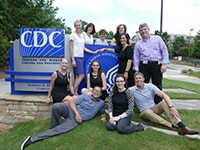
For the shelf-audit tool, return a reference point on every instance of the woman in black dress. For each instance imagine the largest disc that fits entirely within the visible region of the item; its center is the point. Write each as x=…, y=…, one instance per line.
x=61, y=85
x=96, y=77
x=125, y=57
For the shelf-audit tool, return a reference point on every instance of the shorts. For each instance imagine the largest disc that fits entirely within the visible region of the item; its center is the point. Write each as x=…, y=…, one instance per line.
x=79, y=65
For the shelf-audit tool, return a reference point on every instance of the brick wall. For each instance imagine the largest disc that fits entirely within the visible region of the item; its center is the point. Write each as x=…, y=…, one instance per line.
x=21, y=108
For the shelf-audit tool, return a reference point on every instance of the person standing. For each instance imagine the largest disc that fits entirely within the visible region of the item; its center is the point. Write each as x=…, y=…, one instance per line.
x=144, y=98
x=120, y=108
x=88, y=37
x=121, y=28
x=74, y=112
x=61, y=84
x=125, y=57
x=88, y=33
x=76, y=46
x=102, y=36
x=151, y=57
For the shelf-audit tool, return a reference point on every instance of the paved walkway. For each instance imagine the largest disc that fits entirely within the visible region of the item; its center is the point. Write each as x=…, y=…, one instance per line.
x=174, y=72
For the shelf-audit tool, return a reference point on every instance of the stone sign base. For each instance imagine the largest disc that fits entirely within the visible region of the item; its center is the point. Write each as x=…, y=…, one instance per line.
x=21, y=108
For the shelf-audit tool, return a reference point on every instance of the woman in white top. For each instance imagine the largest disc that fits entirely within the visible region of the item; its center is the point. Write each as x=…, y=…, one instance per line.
x=77, y=45
x=88, y=36
x=102, y=36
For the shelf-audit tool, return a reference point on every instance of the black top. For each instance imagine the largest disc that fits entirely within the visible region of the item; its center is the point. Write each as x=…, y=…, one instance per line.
x=117, y=37
x=123, y=57
x=120, y=103
x=60, y=89
x=95, y=81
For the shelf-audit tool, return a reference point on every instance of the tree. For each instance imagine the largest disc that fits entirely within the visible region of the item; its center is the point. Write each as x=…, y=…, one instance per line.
x=196, y=46
x=4, y=45
x=25, y=14
x=178, y=43
x=164, y=36
x=110, y=35
x=183, y=51
x=84, y=24
x=28, y=14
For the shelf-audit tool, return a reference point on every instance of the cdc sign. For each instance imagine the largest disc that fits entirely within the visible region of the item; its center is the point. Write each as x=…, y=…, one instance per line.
x=36, y=42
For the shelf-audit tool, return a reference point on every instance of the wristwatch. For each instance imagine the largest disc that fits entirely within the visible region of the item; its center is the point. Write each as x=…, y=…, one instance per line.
x=170, y=106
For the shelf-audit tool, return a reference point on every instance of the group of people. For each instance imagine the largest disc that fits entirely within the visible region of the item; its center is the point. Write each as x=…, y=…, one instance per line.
x=77, y=46
x=136, y=68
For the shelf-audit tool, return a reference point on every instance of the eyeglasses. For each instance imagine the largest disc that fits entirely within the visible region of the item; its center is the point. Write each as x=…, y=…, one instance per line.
x=96, y=91
x=119, y=81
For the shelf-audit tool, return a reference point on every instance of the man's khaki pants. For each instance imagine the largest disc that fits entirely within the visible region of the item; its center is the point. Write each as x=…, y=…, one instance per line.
x=154, y=113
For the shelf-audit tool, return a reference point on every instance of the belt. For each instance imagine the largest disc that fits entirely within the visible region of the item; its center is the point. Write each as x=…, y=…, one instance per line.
x=149, y=62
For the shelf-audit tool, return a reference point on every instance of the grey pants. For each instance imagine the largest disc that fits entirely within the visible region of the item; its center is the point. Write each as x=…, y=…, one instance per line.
x=58, y=110
x=124, y=126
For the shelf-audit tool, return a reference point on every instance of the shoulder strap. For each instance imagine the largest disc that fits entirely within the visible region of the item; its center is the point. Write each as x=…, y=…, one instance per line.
x=68, y=76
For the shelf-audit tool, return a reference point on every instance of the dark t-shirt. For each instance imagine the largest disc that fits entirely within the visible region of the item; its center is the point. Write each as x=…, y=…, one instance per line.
x=123, y=57
x=120, y=103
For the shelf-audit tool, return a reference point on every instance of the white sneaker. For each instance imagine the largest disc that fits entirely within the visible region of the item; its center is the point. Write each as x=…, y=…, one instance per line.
x=26, y=143
x=146, y=127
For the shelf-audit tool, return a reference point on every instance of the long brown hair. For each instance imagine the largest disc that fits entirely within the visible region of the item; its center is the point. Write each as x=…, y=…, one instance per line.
x=100, y=70
x=115, y=88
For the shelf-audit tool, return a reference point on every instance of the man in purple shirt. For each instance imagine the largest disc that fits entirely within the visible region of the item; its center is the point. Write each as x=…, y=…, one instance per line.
x=83, y=108
x=150, y=57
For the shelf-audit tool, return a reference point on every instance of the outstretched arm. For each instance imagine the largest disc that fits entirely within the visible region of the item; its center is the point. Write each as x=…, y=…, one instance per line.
x=72, y=104
x=172, y=109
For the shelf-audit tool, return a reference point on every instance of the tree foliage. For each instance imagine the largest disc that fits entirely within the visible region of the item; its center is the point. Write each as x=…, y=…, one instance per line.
x=4, y=44
x=15, y=14
x=28, y=14
x=164, y=36
x=196, y=46
x=178, y=43
x=183, y=51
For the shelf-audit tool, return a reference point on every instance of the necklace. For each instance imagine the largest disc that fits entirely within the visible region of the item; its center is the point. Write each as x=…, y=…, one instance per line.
x=62, y=73
x=94, y=75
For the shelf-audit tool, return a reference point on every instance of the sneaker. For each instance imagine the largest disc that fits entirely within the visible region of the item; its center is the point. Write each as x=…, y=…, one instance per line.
x=26, y=143
x=146, y=127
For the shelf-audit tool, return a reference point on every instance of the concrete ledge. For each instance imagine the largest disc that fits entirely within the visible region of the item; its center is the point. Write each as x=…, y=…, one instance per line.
x=21, y=108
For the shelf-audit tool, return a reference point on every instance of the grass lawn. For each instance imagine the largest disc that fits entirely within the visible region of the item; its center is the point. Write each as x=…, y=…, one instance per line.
x=172, y=84
x=92, y=135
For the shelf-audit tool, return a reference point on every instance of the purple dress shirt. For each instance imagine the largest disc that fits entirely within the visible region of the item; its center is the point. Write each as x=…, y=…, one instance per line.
x=152, y=49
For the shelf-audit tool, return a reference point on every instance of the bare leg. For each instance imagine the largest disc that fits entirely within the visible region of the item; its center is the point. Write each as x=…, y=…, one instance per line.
x=67, y=99
x=78, y=79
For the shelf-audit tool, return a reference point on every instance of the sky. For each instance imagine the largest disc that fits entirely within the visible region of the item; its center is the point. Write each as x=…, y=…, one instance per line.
x=179, y=16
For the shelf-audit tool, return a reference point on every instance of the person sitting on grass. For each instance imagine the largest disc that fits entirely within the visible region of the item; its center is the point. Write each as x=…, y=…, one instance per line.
x=120, y=108
x=144, y=98
x=83, y=108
